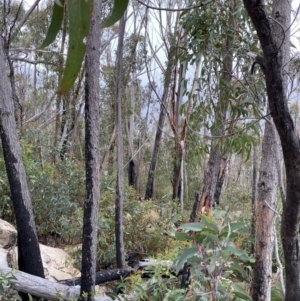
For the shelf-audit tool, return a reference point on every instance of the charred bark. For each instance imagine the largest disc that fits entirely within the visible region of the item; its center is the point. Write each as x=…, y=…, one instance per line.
x=220, y=180
x=29, y=259
x=119, y=200
x=101, y=277
x=92, y=165
x=131, y=173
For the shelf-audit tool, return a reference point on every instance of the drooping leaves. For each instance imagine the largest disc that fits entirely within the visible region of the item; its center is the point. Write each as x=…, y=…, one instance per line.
x=79, y=15
x=116, y=13
x=55, y=25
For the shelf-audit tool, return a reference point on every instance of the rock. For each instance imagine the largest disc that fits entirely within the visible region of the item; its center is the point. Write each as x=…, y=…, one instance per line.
x=58, y=265
x=3, y=259
x=8, y=235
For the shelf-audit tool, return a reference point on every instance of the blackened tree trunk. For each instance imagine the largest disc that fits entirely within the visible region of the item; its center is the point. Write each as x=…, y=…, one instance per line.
x=59, y=97
x=29, y=259
x=92, y=128
x=131, y=165
x=265, y=216
x=120, y=252
x=254, y=193
x=220, y=179
x=273, y=32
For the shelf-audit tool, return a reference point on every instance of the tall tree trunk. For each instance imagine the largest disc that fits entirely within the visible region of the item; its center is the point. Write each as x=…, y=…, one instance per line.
x=274, y=35
x=29, y=258
x=142, y=137
x=131, y=165
x=59, y=98
x=254, y=194
x=105, y=156
x=265, y=216
x=178, y=154
x=161, y=120
x=120, y=252
x=92, y=155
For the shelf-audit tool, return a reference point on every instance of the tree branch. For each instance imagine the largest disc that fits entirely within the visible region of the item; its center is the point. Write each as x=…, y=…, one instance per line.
x=175, y=9
x=29, y=12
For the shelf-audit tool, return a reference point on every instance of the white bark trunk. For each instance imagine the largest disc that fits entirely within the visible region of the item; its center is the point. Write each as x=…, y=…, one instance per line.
x=44, y=288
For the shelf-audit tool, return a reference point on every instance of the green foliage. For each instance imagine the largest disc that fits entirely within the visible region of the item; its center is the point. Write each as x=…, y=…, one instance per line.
x=79, y=13
x=79, y=17
x=57, y=193
x=56, y=22
x=163, y=285
x=144, y=225
x=276, y=292
x=218, y=268
x=116, y=14
x=6, y=292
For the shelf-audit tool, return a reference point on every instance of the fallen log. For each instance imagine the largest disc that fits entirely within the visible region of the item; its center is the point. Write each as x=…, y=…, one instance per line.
x=44, y=288
x=117, y=274
x=69, y=289
x=102, y=276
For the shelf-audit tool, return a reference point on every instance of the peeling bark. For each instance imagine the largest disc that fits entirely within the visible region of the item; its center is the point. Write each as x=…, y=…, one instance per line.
x=274, y=35
x=265, y=216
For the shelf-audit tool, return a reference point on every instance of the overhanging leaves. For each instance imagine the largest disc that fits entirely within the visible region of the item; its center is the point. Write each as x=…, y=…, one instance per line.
x=79, y=14
x=116, y=13
x=56, y=21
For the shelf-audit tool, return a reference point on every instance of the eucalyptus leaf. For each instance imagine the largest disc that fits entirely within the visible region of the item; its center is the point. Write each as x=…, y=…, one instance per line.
x=79, y=13
x=184, y=257
x=55, y=25
x=183, y=236
x=192, y=226
x=116, y=14
x=240, y=291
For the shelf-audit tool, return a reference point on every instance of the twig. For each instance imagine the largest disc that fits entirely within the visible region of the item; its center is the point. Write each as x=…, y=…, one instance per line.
x=269, y=206
x=231, y=134
x=29, y=12
x=175, y=9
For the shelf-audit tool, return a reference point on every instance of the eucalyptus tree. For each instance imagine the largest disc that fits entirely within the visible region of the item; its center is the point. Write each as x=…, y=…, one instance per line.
x=224, y=102
x=273, y=30
x=134, y=57
x=170, y=40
